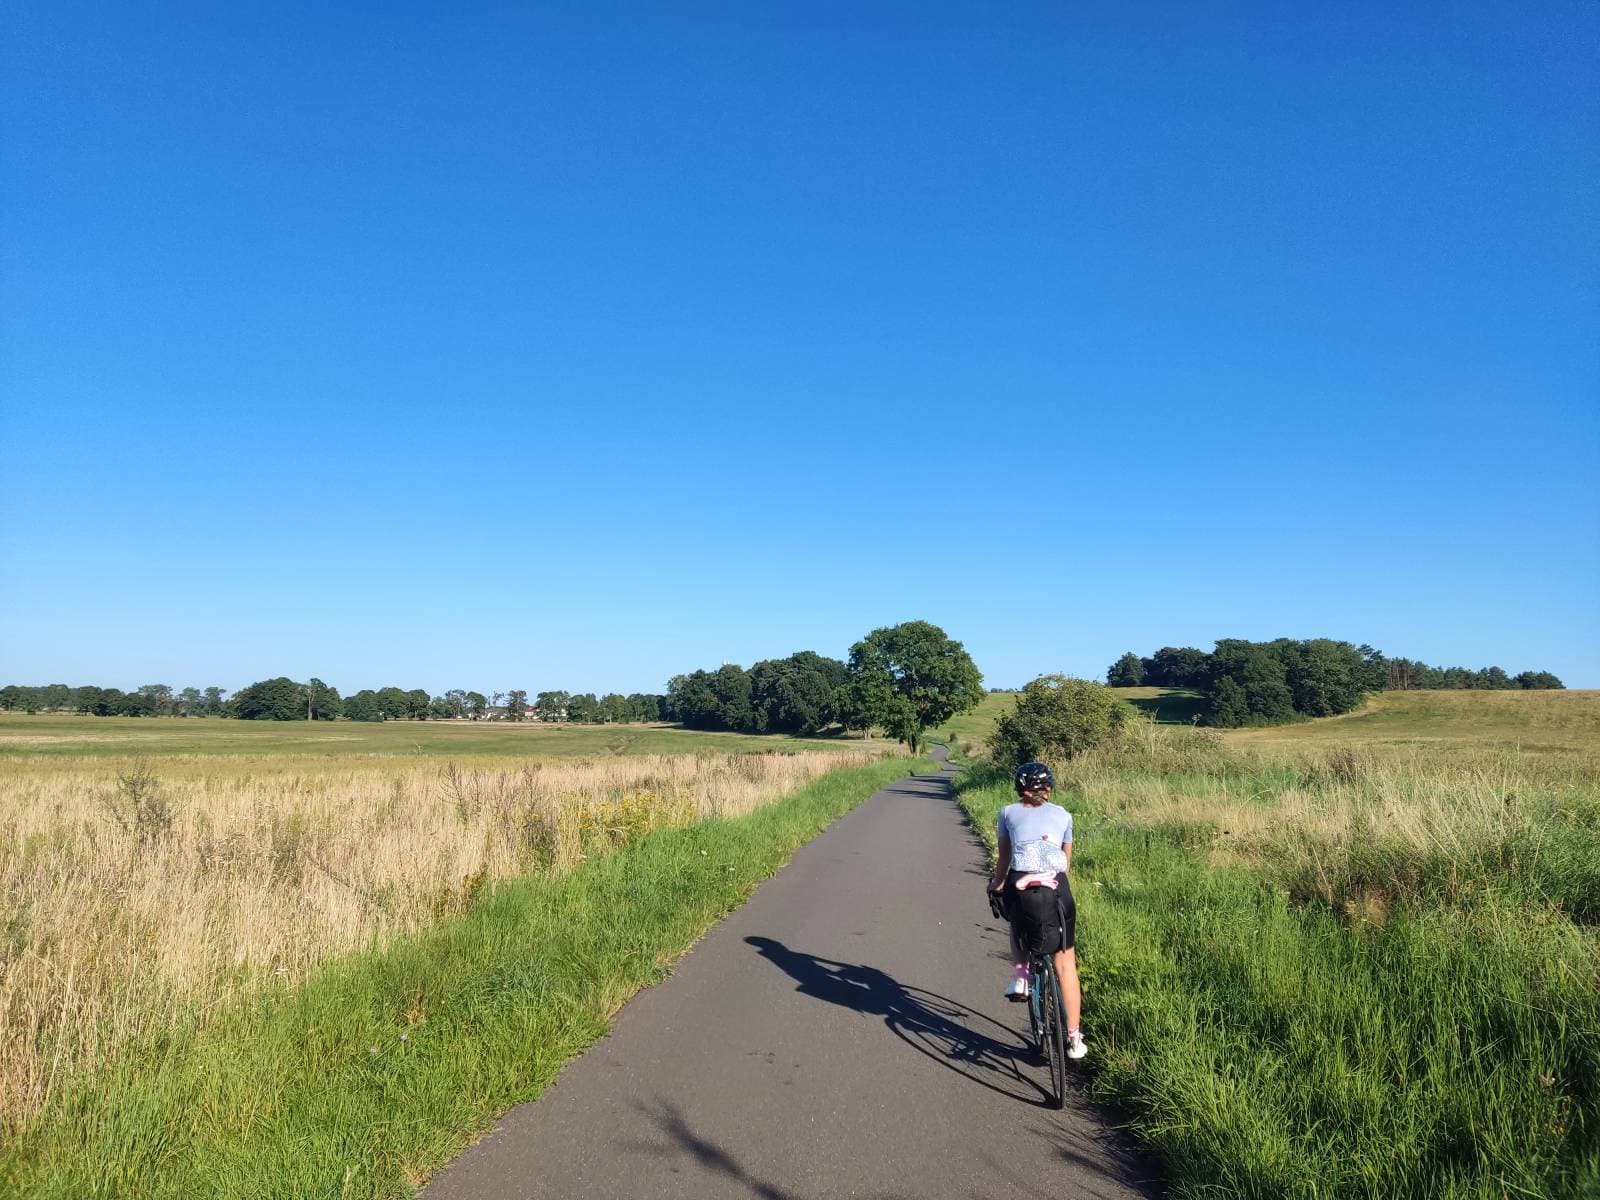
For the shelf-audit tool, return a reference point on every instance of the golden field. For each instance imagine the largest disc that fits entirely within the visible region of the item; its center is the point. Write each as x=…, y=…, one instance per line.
x=143, y=893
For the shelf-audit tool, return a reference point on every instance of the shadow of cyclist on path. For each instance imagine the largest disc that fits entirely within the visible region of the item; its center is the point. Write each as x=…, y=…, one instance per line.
x=937, y=1026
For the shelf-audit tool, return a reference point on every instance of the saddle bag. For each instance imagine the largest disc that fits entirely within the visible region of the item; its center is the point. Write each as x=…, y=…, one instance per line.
x=1036, y=913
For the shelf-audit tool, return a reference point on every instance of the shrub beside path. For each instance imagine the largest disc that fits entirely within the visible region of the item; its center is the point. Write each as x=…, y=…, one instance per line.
x=842, y=1034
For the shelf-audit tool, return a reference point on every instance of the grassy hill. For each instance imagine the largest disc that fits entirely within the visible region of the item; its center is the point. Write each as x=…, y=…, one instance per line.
x=1532, y=722
x=975, y=726
x=1562, y=723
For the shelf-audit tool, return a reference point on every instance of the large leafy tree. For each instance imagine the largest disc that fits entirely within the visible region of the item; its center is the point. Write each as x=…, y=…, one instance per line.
x=909, y=677
x=552, y=706
x=1325, y=677
x=1228, y=707
x=159, y=696
x=323, y=701
x=1127, y=671
x=1176, y=666
x=795, y=694
x=717, y=699
x=363, y=706
x=730, y=684
x=137, y=704
x=392, y=703
x=91, y=700
x=646, y=706
x=280, y=699
x=1258, y=669
x=1538, y=680
x=584, y=709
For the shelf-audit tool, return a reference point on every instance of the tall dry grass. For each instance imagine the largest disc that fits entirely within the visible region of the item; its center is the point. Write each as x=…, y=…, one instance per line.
x=1349, y=970
x=137, y=897
x=1361, y=827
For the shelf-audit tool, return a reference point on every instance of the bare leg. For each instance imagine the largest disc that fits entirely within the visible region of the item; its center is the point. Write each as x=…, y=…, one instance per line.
x=1071, y=993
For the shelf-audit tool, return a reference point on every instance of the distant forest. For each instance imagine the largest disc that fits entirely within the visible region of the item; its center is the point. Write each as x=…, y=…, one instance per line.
x=1245, y=683
x=284, y=699
x=1267, y=683
x=799, y=694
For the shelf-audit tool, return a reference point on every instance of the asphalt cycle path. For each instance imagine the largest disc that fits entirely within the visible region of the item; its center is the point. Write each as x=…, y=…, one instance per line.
x=841, y=1035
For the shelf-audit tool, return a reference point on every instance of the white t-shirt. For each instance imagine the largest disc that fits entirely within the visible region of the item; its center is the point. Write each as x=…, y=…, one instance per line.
x=1037, y=834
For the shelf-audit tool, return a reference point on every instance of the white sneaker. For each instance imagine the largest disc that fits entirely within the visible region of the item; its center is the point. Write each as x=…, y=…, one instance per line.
x=1076, y=1048
x=1018, y=990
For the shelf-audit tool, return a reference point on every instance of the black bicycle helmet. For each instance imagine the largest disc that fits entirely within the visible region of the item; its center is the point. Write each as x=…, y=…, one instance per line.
x=1031, y=776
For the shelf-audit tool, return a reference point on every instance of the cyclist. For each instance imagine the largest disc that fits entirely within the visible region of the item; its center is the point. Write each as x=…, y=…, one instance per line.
x=1030, y=867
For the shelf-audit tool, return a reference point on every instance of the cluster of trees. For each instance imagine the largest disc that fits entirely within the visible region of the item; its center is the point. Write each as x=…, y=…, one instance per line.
x=284, y=699
x=1402, y=674
x=151, y=700
x=1263, y=683
x=800, y=694
x=586, y=708
x=903, y=679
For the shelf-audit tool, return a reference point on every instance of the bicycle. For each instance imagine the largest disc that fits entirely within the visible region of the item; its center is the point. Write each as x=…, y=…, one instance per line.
x=1047, y=1021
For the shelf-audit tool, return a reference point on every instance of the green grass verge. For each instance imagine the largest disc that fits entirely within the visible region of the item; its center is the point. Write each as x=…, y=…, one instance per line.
x=386, y=1063
x=1271, y=1050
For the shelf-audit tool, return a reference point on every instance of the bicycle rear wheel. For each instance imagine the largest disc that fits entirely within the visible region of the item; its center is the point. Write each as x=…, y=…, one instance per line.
x=1055, y=1034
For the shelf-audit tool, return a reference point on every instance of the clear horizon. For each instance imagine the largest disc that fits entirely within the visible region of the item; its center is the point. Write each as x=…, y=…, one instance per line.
x=578, y=689
x=578, y=350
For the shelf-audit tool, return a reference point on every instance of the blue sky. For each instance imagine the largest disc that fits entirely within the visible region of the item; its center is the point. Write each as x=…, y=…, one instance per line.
x=575, y=347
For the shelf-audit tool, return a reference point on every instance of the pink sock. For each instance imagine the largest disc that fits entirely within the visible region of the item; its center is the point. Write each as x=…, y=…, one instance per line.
x=1019, y=970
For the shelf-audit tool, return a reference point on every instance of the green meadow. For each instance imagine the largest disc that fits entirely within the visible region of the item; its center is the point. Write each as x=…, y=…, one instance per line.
x=24, y=736
x=1565, y=723
x=1355, y=957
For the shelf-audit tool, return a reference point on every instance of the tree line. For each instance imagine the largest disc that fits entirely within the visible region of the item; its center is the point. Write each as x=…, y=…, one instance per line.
x=151, y=700
x=1266, y=683
x=801, y=694
x=285, y=699
x=902, y=679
